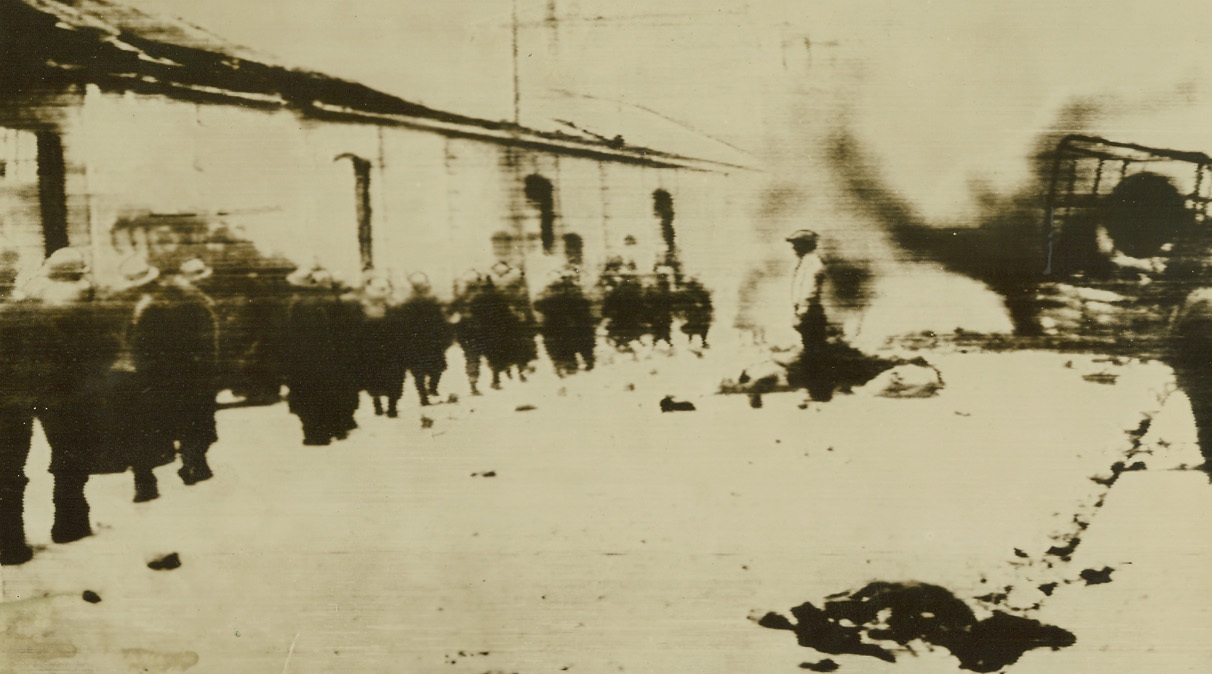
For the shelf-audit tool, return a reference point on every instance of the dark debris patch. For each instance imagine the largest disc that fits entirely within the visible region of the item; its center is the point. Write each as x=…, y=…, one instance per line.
x=487, y=473
x=166, y=563
x=994, y=597
x=882, y=618
x=1101, y=378
x=1048, y=589
x=1117, y=469
x=825, y=665
x=1097, y=577
x=91, y=597
x=1067, y=549
x=668, y=404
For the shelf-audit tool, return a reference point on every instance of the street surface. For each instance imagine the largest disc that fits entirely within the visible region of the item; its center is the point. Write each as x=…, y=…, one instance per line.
x=593, y=533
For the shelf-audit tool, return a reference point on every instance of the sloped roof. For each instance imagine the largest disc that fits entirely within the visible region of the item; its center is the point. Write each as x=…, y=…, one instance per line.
x=47, y=43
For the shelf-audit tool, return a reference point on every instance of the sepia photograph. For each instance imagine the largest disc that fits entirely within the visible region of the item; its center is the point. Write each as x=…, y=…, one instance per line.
x=605, y=336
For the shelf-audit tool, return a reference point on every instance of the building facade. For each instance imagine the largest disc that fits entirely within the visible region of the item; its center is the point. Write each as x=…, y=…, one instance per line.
x=128, y=134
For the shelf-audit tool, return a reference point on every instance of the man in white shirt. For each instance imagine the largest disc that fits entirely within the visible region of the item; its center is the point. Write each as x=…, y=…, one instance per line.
x=806, y=287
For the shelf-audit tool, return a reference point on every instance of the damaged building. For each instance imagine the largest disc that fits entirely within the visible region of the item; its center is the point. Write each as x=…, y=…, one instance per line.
x=125, y=133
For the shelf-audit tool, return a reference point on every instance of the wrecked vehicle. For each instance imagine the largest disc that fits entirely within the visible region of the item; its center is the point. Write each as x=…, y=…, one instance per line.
x=1127, y=241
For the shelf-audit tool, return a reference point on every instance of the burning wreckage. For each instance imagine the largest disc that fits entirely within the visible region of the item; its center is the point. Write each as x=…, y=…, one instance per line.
x=1117, y=264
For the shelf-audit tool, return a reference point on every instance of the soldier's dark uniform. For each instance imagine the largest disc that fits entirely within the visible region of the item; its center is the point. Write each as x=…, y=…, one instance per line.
x=469, y=330
x=500, y=330
x=427, y=336
x=623, y=310
x=174, y=344
x=693, y=306
x=1190, y=355
x=659, y=308
x=568, y=326
x=55, y=356
x=319, y=363
x=523, y=351
x=381, y=356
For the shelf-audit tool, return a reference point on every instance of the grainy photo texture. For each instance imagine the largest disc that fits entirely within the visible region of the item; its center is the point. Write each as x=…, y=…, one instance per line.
x=536, y=336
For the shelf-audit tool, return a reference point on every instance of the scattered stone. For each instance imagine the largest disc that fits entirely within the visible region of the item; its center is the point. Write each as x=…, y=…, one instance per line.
x=1093, y=577
x=668, y=404
x=911, y=380
x=1065, y=550
x=882, y=618
x=1117, y=468
x=629, y=387
x=426, y=422
x=825, y=665
x=1101, y=378
x=962, y=414
x=993, y=597
x=525, y=408
x=487, y=473
x=452, y=398
x=1048, y=588
x=91, y=597
x=1019, y=553
x=166, y=563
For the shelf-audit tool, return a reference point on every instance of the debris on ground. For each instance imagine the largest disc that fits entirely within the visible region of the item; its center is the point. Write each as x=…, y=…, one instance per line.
x=487, y=473
x=911, y=380
x=426, y=422
x=668, y=404
x=883, y=618
x=1101, y=377
x=825, y=665
x=166, y=563
x=1064, y=551
x=1093, y=577
x=524, y=408
x=91, y=597
x=840, y=368
x=1117, y=468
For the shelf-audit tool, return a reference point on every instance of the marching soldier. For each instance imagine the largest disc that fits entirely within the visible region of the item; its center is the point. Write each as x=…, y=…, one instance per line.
x=319, y=358
x=568, y=326
x=427, y=336
x=469, y=330
x=381, y=345
x=55, y=348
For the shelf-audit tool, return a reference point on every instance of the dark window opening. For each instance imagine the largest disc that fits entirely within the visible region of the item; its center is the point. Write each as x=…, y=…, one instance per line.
x=541, y=194
x=52, y=191
x=362, y=203
x=574, y=249
x=662, y=207
x=503, y=247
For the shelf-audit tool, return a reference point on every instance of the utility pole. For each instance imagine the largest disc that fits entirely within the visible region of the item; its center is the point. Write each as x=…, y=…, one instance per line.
x=517, y=93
